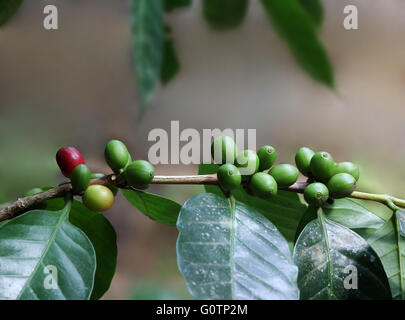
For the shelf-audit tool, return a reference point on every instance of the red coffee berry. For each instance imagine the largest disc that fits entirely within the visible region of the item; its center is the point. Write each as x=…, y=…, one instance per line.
x=68, y=158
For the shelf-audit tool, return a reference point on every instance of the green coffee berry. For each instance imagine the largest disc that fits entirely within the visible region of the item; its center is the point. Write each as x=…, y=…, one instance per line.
x=116, y=155
x=284, y=174
x=248, y=163
x=263, y=185
x=267, y=156
x=80, y=179
x=303, y=159
x=348, y=167
x=223, y=150
x=316, y=194
x=139, y=173
x=341, y=185
x=322, y=166
x=98, y=198
x=229, y=177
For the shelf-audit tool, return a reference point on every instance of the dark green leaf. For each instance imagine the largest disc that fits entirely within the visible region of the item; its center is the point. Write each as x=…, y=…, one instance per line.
x=227, y=250
x=41, y=239
x=314, y=9
x=224, y=14
x=310, y=214
x=148, y=37
x=171, y=5
x=170, y=64
x=102, y=235
x=296, y=27
x=7, y=9
x=390, y=247
x=156, y=207
x=329, y=256
x=352, y=215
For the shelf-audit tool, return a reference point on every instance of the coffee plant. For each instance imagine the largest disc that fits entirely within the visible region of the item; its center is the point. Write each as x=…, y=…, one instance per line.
x=250, y=235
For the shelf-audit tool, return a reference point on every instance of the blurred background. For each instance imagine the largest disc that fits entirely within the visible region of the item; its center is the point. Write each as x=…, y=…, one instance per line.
x=76, y=86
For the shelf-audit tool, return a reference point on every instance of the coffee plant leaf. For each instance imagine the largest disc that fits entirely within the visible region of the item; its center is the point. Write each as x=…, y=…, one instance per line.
x=103, y=238
x=228, y=250
x=45, y=257
x=147, y=39
x=156, y=207
x=170, y=63
x=314, y=9
x=7, y=9
x=210, y=168
x=389, y=244
x=224, y=14
x=296, y=27
x=336, y=263
x=351, y=214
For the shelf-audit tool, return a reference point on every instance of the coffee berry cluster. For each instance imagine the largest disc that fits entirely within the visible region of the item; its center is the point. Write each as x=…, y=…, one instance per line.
x=326, y=178
x=138, y=174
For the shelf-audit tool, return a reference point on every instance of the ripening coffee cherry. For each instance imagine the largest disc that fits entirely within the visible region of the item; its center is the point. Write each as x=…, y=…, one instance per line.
x=229, y=177
x=263, y=185
x=80, y=179
x=267, y=156
x=285, y=174
x=223, y=150
x=68, y=158
x=303, y=159
x=248, y=163
x=341, y=185
x=98, y=198
x=116, y=155
x=348, y=167
x=322, y=166
x=316, y=194
x=139, y=173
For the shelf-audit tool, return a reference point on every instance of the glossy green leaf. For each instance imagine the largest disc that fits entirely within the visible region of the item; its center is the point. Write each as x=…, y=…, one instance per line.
x=41, y=248
x=156, y=207
x=171, y=5
x=401, y=221
x=389, y=244
x=314, y=9
x=284, y=210
x=103, y=238
x=336, y=263
x=224, y=14
x=295, y=26
x=147, y=38
x=351, y=214
x=7, y=9
x=227, y=250
x=310, y=214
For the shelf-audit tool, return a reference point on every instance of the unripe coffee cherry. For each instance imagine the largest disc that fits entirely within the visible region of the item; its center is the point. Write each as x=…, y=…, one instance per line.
x=116, y=155
x=229, y=177
x=98, y=198
x=316, y=194
x=341, y=185
x=223, y=150
x=68, y=158
x=113, y=189
x=139, y=173
x=303, y=159
x=322, y=166
x=80, y=179
x=263, y=185
x=248, y=163
x=267, y=156
x=284, y=174
x=348, y=167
